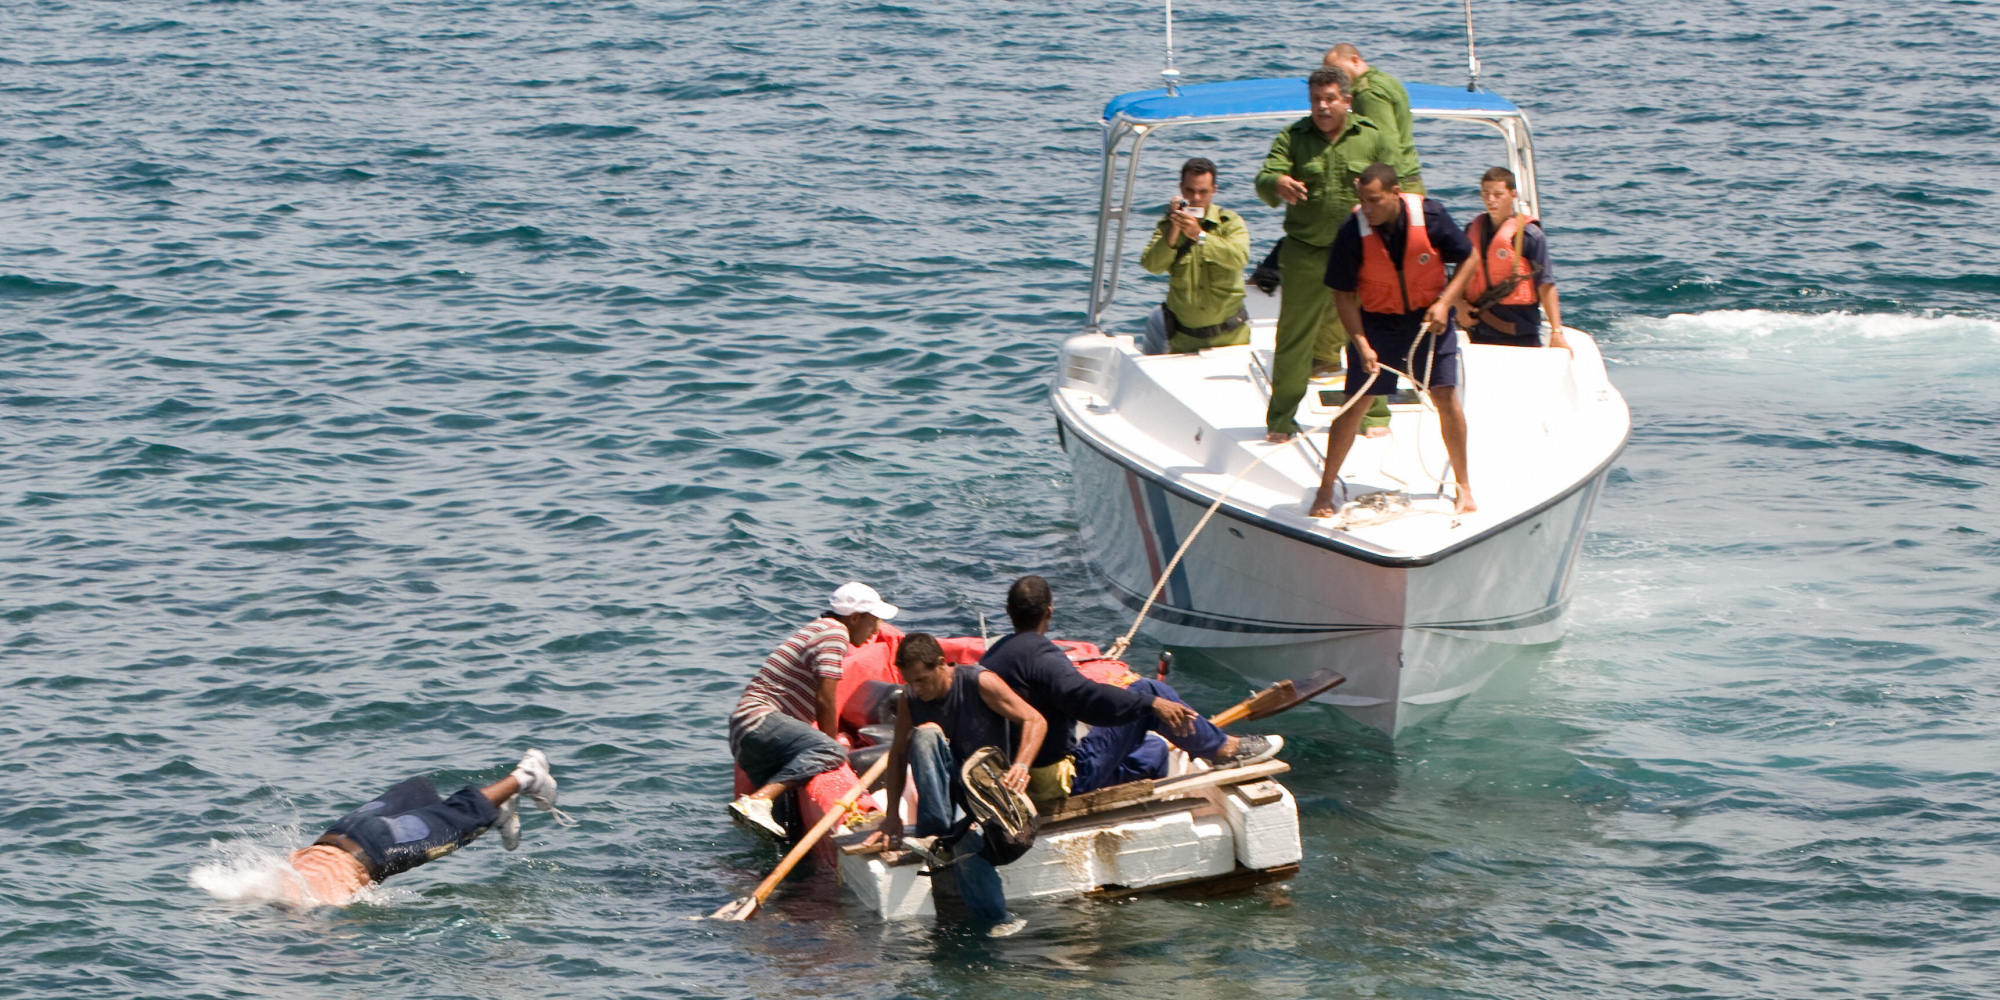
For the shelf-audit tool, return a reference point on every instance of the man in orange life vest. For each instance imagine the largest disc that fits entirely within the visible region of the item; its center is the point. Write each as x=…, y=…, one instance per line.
x=1386, y=269
x=1510, y=266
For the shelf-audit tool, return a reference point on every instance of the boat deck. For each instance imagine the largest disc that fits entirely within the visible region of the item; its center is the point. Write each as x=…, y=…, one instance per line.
x=1195, y=421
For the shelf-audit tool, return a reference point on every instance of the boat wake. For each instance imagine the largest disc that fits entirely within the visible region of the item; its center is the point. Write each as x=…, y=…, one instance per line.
x=1804, y=330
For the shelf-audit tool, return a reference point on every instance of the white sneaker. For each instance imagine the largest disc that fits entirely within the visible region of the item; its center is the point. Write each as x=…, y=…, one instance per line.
x=757, y=813
x=536, y=782
x=510, y=824
x=1006, y=928
x=538, y=785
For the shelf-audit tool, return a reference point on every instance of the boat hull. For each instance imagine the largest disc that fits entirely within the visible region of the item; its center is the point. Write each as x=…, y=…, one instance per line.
x=1413, y=636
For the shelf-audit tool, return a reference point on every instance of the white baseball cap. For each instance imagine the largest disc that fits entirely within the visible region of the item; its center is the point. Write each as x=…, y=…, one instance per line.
x=853, y=597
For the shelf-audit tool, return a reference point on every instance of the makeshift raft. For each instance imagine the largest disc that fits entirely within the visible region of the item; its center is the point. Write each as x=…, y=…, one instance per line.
x=1198, y=828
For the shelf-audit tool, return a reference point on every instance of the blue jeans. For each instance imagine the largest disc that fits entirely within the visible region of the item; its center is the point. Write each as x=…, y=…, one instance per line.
x=409, y=825
x=934, y=770
x=1113, y=755
x=777, y=747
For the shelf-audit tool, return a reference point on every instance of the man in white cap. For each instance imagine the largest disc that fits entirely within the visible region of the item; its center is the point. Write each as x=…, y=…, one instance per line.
x=782, y=732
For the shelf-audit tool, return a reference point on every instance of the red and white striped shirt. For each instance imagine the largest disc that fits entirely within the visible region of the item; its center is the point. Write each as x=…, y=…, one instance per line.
x=789, y=680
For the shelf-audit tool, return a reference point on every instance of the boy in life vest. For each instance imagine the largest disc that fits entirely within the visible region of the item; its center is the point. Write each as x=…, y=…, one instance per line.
x=1509, y=274
x=947, y=715
x=407, y=826
x=1387, y=271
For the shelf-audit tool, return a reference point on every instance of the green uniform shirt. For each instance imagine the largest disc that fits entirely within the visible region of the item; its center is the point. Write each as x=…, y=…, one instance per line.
x=1204, y=279
x=1381, y=99
x=1328, y=170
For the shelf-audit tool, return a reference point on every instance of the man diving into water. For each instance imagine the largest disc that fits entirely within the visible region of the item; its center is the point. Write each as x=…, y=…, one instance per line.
x=407, y=826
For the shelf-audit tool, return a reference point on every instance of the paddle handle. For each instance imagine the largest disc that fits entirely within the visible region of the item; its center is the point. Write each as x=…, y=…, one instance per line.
x=826, y=822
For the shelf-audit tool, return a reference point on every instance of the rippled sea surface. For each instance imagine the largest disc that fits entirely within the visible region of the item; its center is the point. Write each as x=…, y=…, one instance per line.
x=390, y=387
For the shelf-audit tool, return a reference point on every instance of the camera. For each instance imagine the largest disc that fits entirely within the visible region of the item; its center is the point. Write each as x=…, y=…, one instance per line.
x=1181, y=205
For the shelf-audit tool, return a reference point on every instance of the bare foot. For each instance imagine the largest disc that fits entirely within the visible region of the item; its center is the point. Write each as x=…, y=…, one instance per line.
x=1322, y=505
x=1277, y=437
x=1376, y=432
x=1464, y=504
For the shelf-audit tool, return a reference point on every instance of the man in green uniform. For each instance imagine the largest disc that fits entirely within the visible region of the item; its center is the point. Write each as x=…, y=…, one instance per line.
x=1380, y=98
x=1311, y=169
x=1201, y=249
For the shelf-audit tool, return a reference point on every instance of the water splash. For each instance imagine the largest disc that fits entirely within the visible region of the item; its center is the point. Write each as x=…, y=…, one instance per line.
x=249, y=871
x=257, y=869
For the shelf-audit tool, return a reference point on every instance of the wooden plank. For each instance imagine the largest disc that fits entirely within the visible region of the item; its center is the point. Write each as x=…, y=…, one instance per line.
x=1158, y=790
x=1261, y=793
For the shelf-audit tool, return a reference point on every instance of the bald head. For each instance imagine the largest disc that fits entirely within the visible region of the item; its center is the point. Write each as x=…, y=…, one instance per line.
x=1346, y=58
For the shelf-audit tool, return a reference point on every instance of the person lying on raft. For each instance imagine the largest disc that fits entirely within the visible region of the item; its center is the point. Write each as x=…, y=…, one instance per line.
x=946, y=716
x=1116, y=749
x=408, y=825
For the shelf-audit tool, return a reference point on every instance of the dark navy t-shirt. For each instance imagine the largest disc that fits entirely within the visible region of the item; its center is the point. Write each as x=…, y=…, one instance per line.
x=1343, y=261
x=967, y=723
x=1527, y=319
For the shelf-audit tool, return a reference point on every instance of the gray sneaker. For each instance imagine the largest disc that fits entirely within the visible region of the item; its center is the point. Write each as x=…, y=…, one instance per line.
x=510, y=824
x=1250, y=750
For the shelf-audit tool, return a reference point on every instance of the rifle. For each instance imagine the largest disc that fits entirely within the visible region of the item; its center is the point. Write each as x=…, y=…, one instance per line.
x=1476, y=309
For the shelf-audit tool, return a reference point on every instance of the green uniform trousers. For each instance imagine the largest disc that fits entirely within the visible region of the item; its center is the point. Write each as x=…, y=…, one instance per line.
x=1309, y=330
x=1331, y=343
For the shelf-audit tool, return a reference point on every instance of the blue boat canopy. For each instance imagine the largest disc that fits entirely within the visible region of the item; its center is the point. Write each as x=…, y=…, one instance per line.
x=1281, y=97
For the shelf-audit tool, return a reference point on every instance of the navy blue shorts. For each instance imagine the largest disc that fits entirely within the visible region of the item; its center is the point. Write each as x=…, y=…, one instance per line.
x=1394, y=350
x=409, y=825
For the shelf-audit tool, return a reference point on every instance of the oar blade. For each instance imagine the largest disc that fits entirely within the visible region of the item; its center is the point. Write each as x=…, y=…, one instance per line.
x=741, y=908
x=1297, y=693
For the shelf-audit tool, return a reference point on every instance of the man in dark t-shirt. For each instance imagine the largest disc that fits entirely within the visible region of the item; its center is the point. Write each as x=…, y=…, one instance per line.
x=947, y=714
x=1117, y=748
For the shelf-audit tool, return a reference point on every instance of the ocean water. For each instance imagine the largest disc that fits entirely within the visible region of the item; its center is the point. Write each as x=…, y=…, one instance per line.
x=391, y=387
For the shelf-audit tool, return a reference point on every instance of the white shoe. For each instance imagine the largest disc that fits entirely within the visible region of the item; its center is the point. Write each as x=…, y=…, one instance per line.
x=1006, y=928
x=510, y=824
x=757, y=813
x=536, y=782
x=538, y=785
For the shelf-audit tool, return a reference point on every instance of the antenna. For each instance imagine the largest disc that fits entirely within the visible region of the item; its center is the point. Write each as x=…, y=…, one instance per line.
x=1471, y=58
x=1173, y=75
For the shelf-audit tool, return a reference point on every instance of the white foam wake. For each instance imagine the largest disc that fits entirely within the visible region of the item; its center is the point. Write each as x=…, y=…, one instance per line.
x=1805, y=329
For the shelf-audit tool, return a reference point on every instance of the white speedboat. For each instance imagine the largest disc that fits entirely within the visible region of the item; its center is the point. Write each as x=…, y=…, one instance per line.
x=1417, y=606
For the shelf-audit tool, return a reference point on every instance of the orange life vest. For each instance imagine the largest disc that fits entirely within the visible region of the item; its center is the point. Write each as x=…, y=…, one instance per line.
x=1499, y=257
x=1386, y=288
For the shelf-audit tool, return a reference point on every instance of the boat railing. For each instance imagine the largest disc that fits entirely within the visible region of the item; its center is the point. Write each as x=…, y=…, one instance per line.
x=1131, y=119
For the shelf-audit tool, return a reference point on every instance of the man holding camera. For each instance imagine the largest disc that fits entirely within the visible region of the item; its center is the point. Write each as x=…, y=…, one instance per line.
x=1201, y=249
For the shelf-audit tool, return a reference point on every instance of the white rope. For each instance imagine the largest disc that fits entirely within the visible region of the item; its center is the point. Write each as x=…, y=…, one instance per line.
x=1423, y=388
x=1123, y=642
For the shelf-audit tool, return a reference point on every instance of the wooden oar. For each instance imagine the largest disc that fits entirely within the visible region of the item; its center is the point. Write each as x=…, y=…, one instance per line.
x=747, y=906
x=1278, y=697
